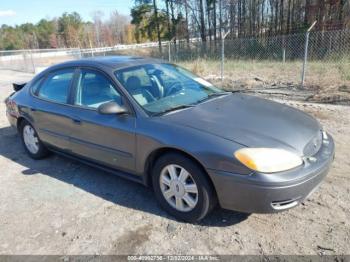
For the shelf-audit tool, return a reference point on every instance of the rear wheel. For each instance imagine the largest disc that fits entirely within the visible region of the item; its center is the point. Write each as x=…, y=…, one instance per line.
x=182, y=188
x=31, y=141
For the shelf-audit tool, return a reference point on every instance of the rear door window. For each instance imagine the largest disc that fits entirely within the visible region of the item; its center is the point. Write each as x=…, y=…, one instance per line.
x=35, y=86
x=56, y=86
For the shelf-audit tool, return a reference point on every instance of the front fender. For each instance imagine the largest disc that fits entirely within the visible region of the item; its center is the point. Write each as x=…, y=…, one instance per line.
x=212, y=152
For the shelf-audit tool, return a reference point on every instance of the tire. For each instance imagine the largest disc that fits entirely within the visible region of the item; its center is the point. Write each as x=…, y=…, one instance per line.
x=37, y=150
x=201, y=202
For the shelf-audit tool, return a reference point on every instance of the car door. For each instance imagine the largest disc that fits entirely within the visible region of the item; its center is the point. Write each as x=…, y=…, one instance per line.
x=106, y=139
x=50, y=108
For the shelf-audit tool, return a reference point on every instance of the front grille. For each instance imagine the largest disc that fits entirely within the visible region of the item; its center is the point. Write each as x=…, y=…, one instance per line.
x=314, y=145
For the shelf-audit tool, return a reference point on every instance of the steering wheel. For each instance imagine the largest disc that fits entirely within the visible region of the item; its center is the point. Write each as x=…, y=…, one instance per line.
x=173, y=88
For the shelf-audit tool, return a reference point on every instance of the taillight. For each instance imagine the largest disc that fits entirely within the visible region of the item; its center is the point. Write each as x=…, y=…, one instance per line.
x=12, y=108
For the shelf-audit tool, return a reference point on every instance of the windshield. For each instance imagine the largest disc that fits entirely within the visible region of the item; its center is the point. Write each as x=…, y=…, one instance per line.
x=161, y=88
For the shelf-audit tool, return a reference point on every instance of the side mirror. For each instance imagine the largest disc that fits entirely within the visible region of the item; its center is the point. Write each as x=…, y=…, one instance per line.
x=111, y=108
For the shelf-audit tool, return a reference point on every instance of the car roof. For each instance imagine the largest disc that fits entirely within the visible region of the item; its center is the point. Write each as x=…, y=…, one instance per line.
x=113, y=62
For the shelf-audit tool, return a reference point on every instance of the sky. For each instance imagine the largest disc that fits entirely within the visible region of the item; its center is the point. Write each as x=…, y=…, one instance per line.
x=16, y=12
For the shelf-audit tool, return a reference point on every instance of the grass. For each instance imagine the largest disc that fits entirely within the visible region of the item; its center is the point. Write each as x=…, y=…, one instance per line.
x=321, y=74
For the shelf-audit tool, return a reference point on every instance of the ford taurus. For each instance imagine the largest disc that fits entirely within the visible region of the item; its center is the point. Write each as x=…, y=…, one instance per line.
x=158, y=124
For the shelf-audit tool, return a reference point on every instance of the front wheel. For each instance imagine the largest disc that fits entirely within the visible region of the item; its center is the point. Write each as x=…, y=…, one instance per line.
x=31, y=141
x=182, y=188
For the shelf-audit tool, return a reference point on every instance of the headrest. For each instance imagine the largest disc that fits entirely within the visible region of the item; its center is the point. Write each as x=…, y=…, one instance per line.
x=133, y=83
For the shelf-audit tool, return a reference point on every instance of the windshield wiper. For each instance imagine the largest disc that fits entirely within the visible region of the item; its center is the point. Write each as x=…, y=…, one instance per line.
x=211, y=96
x=218, y=94
x=191, y=105
x=173, y=109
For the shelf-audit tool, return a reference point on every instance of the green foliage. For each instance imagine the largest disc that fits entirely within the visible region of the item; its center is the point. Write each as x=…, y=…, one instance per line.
x=11, y=38
x=145, y=22
x=69, y=20
x=69, y=31
x=69, y=27
x=141, y=15
x=44, y=34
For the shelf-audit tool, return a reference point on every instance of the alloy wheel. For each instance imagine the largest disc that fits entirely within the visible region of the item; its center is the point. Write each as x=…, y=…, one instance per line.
x=30, y=139
x=178, y=188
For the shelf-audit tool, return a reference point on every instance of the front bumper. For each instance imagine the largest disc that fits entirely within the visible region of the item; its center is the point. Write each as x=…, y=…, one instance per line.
x=269, y=193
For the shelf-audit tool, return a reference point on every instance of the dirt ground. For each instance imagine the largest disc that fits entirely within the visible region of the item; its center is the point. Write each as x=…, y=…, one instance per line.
x=58, y=206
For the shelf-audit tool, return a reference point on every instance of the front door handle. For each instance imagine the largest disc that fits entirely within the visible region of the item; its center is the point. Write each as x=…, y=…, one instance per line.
x=76, y=121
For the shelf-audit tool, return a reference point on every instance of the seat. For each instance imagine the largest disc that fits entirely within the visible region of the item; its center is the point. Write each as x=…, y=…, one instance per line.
x=141, y=94
x=97, y=91
x=158, y=83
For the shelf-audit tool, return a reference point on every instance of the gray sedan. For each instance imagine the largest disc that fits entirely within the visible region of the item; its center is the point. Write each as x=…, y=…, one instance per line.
x=158, y=124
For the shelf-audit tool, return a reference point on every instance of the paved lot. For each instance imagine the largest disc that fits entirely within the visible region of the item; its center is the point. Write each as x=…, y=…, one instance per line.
x=57, y=206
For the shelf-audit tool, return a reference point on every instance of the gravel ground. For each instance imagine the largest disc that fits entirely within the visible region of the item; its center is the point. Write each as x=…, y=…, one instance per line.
x=58, y=206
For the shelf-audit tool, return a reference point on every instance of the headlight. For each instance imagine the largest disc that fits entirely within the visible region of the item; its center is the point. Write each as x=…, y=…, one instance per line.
x=268, y=160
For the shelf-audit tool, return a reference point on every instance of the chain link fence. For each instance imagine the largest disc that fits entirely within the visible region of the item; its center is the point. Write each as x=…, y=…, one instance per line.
x=275, y=58
x=32, y=61
x=328, y=62
x=35, y=60
x=239, y=63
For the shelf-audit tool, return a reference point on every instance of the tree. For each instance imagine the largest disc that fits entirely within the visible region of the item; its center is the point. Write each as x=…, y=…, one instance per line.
x=140, y=18
x=154, y=20
x=45, y=32
x=97, y=17
x=119, y=25
x=157, y=25
x=202, y=25
x=69, y=26
x=148, y=24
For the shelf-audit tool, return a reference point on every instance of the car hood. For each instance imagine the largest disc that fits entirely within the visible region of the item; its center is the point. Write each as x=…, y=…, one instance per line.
x=251, y=121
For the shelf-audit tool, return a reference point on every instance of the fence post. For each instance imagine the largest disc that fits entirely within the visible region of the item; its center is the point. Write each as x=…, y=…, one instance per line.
x=169, y=51
x=284, y=55
x=169, y=48
x=91, y=50
x=306, y=53
x=32, y=61
x=222, y=58
x=305, y=58
x=223, y=36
